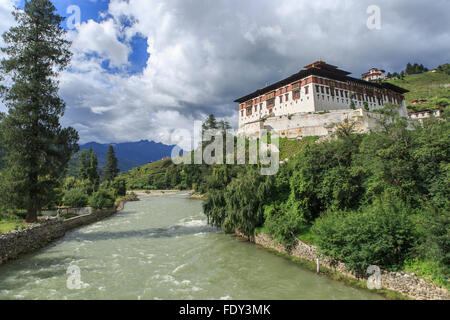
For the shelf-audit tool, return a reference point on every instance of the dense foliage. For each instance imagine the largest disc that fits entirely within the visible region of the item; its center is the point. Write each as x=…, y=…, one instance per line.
x=101, y=199
x=380, y=234
x=38, y=148
x=380, y=198
x=75, y=198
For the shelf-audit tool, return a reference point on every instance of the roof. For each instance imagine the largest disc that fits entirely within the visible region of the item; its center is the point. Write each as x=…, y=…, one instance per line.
x=327, y=72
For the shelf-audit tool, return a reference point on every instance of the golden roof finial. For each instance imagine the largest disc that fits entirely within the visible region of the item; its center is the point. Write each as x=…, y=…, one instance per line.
x=320, y=60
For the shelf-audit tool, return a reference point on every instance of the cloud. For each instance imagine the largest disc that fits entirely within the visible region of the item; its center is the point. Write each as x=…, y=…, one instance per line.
x=102, y=39
x=204, y=54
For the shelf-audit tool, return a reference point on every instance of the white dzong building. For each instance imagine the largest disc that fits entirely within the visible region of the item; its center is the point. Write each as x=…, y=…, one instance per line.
x=312, y=100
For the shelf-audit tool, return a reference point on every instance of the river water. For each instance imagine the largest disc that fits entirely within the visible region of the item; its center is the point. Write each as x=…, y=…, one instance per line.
x=162, y=248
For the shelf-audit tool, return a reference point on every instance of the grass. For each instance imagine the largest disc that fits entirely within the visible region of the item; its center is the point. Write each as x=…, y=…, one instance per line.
x=7, y=225
x=306, y=235
x=427, y=269
x=290, y=147
x=427, y=86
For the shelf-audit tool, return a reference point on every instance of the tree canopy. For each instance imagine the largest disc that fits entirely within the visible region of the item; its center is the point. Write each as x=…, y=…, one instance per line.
x=38, y=148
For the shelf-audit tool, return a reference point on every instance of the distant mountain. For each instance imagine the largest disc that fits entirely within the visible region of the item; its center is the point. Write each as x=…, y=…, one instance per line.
x=130, y=154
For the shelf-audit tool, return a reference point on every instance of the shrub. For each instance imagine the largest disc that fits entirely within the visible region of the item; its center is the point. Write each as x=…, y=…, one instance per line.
x=75, y=198
x=119, y=187
x=101, y=199
x=382, y=234
x=282, y=225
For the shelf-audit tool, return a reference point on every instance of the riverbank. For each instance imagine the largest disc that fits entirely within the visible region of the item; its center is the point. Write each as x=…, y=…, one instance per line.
x=394, y=285
x=16, y=243
x=149, y=193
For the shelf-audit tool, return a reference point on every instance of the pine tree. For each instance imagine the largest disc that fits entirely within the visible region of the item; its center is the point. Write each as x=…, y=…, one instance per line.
x=409, y=68
x=224, y=126
x=111, y=170
x=92, y=171
x=83, y=165
x=210, y=123
x=38, y=148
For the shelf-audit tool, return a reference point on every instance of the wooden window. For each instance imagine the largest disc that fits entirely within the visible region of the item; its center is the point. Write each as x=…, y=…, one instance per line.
x=306, y=89
x=286, y=96
x=296, y=94
x=270, y=95
x=296, y=86
x=281, y=99
x=270, y=103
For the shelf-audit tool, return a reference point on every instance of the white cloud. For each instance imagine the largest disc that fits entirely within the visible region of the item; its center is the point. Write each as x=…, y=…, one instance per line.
x=204, y=54
x=102, y=38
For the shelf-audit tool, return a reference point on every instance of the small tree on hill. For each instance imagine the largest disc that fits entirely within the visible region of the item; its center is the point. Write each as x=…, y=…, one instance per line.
x=111, y=169
x=83, y=165
x=92, y=171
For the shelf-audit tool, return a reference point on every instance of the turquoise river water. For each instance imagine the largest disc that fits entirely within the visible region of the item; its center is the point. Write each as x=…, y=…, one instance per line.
x=162, y=248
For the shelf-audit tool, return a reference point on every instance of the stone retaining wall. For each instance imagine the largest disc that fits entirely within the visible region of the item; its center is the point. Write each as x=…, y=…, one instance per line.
x=16, y=243
x=407, y=284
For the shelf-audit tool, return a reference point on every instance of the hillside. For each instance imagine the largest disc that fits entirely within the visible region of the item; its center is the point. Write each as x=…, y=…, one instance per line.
x=164, y=174
x=431, y=86
x=129, y=154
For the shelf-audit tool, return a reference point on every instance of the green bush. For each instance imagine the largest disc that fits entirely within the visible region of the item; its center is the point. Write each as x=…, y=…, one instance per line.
x=101, y=199
x=282, y=225
x=119, y=187
x=382, y=234
x=75, y=198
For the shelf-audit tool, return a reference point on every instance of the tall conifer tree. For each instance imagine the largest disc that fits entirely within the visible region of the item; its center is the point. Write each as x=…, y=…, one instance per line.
x=111, y=169
x=92, y=171
x=38, y=148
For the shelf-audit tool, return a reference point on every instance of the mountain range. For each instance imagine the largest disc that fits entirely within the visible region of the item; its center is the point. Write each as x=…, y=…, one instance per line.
x=129, y=154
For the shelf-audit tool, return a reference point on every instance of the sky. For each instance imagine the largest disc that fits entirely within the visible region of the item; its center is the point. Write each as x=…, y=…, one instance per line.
x=143, y=69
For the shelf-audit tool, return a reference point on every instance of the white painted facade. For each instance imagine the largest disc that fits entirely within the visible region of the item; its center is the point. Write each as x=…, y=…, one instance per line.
x=314, y=98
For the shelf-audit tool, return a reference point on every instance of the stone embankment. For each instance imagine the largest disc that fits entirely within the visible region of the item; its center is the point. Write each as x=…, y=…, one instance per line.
x=407, y=284
x=16, y=243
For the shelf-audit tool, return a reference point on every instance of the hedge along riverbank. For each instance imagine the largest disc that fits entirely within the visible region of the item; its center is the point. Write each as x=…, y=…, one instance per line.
x=407, y=285
x=17, y=243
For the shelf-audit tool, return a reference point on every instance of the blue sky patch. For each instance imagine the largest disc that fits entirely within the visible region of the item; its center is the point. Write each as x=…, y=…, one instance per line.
x=92, y=10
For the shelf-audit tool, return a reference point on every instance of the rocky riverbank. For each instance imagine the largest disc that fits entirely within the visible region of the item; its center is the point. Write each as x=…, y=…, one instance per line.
x=17, y=243
x=406, y=284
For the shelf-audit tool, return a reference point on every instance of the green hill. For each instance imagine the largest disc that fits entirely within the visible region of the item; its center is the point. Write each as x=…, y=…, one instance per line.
x=431, y=86
x=164, y=174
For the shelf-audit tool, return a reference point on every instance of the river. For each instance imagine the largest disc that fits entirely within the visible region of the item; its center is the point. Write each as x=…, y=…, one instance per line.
x=162, y=248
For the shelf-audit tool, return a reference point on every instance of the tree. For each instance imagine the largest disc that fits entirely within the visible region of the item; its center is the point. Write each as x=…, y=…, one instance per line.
x=210, y=124
x=381, y=234
x=92, y=171
x=224, y=126
x=111, y=170
x=39, y=149
x=83, y=165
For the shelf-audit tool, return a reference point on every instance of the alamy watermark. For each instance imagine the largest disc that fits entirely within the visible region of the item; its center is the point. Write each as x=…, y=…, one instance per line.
x=374, y=281
x=374, y=20
x=74, y=279
x=218, y=147
x=74, y=18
